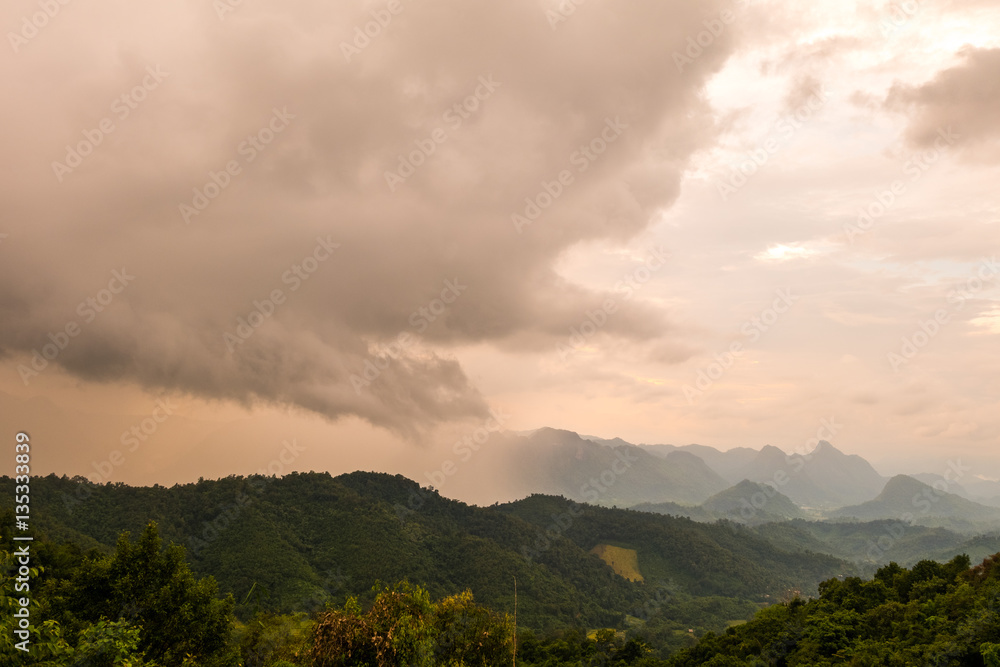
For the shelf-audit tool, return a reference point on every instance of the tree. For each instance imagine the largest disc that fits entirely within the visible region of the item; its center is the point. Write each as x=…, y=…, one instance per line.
x=152, y=588
x=469, y=634
x=991, y=654
x=403, y=627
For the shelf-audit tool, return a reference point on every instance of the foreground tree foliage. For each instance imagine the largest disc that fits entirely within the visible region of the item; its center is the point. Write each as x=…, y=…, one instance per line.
x=931, y=614
x=140, y=607
x=152, y=587
x=403, y=627
x=274, y=640
x=605, y=648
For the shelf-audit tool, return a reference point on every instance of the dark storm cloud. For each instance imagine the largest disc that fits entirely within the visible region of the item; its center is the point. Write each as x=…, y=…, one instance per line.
x=964, y=98
x=221, y=153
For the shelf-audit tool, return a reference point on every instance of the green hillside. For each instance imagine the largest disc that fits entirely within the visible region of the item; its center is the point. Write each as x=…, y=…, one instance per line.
x=907, y=499
x=304, y=538
x=751, y=502
x=722, y=558
x=875, y=543
x=309, y=537
x=747, y=502
x=693, y=512
x=932, y=614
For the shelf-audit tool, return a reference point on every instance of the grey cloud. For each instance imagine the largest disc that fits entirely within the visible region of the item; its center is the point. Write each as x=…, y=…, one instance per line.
x=803, y=88
x=324, y=174
x=964, y=98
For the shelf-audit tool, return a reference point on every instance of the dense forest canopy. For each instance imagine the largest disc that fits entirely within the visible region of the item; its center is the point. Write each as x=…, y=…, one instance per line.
x=371, y=569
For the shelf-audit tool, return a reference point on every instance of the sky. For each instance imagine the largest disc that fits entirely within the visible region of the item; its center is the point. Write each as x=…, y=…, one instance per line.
x=333, y=236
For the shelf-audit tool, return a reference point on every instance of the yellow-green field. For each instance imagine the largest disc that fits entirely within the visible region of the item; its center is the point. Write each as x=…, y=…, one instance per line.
x=625, y=562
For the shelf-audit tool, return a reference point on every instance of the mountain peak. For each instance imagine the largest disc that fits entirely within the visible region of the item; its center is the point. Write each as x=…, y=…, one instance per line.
x=901, y=484
x=750, y=501
x=904, y=495
x=547, y=434
x=824, y=447
x=747, y=486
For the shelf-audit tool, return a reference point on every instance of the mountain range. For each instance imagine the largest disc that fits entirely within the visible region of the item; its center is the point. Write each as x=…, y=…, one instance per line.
x=911, y=501
x=823, y=501
x=277, y=543
x=757, y=487
x=824, y=478
x=558, y=462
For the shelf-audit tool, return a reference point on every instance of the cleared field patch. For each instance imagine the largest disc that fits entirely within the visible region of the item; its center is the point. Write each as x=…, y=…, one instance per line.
x=625, y=562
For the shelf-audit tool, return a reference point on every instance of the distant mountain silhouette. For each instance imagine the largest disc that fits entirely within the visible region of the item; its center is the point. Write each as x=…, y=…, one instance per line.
x=931, y=479
x=560, y=462
x=729, y=464
x=824, y=478
x=907, y=499
x=984, y=491
x=752, y=502
x=747, y=502
x=613, y=442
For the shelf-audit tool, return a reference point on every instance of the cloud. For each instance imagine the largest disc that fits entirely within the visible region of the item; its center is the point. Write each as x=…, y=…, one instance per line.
x=988, y=320
x=804, y=87
x=491, y=101
x=965, y=97
x=784, y=253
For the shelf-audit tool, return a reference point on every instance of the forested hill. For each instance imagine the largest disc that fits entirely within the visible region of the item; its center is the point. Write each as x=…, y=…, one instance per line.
x=723, y=558
x=931, y=614
x=282, y=543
